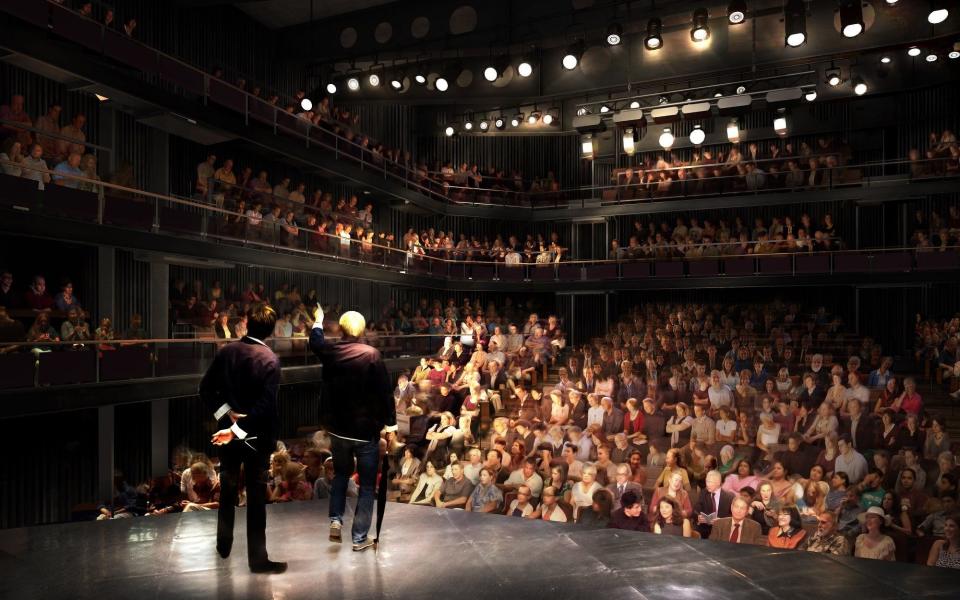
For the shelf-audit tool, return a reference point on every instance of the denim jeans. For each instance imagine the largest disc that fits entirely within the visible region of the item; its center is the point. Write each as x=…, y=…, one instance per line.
x=367, y=456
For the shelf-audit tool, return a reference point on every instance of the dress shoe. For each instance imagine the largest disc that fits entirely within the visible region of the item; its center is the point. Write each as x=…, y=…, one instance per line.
x=269, y=566
x=223, y=548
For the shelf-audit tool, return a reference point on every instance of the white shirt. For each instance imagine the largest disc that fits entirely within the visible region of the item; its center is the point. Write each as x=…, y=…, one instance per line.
x=721, y=397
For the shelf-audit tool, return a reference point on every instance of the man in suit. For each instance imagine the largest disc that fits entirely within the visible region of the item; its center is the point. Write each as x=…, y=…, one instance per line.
x=737, y=528
x=622, y=485
x=860, y=427
x=712, y=499
x=240, y=388
x=356, y=406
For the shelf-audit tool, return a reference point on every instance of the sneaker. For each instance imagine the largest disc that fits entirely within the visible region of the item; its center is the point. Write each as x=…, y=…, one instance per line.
x=335, y=535
x=361, y=546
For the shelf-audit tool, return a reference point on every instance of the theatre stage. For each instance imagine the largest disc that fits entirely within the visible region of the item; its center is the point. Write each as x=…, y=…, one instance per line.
x=430, y=553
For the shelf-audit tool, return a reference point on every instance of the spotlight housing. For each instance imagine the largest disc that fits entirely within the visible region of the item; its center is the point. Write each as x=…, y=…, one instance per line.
x=741, y=89
x=496, y=68
x=886, y=59
x=859, y=86
x=396, y=81
x=468, y=125
x=700, y=31
x=654, y=38
x=781, y=124
x=484, y=125
x=374, y=80
x=331, y=88
x=420, y=74
x=932, y=57
x=938, y=12
x=614, y=34
x=833, y=77
x=630, y=140
x=353, y=84
x=525, y=66
x=795, y=23
x=550, y=116
x=913, y=51
x=733, y=131
x=449, y=131
x=441, y=83
x=533, y=117
x=737, y=12
x=500, y=123
x=635, y=104
x=604, y=108
x=697, y=136
x=666, y=139
x=306, y=104
x=572, y=55
x=953, y=54
x=516, y=120
x=851, y=18
x=586, y=145
x=810, y=96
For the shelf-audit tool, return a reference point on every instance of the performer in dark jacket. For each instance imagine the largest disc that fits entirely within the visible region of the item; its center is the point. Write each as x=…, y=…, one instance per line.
x=240, y=389
x=357, y=404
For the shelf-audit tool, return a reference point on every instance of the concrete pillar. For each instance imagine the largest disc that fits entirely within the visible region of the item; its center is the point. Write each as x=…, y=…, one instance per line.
x=159, y=299
x=105, y=451
x=106, y=285
x=159, y=436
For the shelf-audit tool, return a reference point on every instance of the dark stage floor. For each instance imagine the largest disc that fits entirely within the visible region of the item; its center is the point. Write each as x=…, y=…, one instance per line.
x=430, y=553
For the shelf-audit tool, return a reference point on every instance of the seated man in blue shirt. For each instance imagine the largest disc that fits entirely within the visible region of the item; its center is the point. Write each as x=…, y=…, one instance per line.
x=69, y=167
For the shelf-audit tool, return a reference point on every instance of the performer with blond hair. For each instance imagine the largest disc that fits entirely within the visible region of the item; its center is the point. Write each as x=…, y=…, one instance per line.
x=356, y=406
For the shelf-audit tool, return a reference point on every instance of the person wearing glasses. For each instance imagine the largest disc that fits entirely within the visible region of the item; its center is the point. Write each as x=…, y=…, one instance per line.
x=827, y=540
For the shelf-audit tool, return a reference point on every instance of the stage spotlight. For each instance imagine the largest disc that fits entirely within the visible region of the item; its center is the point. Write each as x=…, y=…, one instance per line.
x=885, y=59
x=932, y=57
x=306, y=104
x=630, y=141
x=441, y=84
x=701, y=28
x=938, y=12
x=851, y=18
x=494, y=70
x=913, y=51
x=654, y=38
x=331, y=88
x=499, y=123
x=635, y=104
x=666, y=139
x=525, y=67
x=954, y=54
x=582, y=111
x=718, y=95
x=571, y=57
x=891, y=2
x=697, y=136
x=548, y=117
x=604, y=108
x=741, y=89
x=396, y=81
x=833, y=77
x=859, y=86
x=810, y=96
x=353, y=84
x=733, y=132
x=795, y=23
x=484, y=125
x=586, y=145
x=614, y=34
x=533, y=118
x=737, y=12
x=516, y=120
x=420, y=74
x=449, y=131
x=468, y=125
x=374, y=80
x=781, y=124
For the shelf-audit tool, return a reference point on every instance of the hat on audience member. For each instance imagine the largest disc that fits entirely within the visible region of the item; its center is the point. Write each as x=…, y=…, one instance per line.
x=874, y=510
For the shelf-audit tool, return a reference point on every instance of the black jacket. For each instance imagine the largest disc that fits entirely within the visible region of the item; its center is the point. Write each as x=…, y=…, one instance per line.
x=246, y=376
x=357, y=399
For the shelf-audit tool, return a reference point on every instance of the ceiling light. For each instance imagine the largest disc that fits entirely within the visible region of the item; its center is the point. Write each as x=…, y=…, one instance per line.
x=525, y=67
x=718, y=95
x=484, y=125
x=780, y=123
x=733, y=132
x=516, y=120
x=614, y=34
x=635, y=104
x=374, y=80
x=737, y=12
x=666, y=139
x=938, y=13
x=913, y=51
x=548, y=118
x=654, y=39
x=795, y=23
x=582, y=111
x=833, y=77
x=449, y=131
x=331, y=88
x=533, y=118
x=468, y=125
x=396, y=82
x=441, y=84
x=885, y=59
x=701, y=29
x=741, y=89
x=954, y=54
x=810, y=96
x=697, y=136
x=500, y=123
x=630, y=141
x=604, y=108
x=586, y=146
x=491, y=74
x=306, y=104
x=420, y=75
x=932, y=57
x=353, y=84
x=571, y=57
x=859, y=86
x=851, y=18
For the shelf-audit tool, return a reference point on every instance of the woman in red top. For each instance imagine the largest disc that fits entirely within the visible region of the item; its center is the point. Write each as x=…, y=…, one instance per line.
x=633, y=420
x=789, y=531
x=909, y=401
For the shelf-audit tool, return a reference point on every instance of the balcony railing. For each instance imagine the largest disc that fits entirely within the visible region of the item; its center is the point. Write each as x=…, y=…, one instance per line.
x=137, y=210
